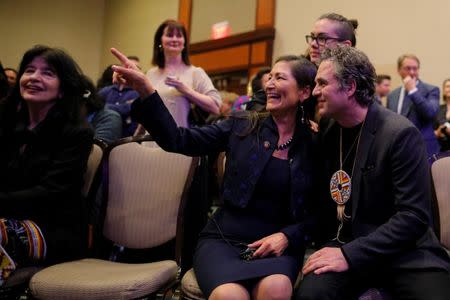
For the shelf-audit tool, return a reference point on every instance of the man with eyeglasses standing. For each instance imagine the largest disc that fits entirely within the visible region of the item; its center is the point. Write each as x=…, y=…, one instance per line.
x=329, y=30
x=416, y=100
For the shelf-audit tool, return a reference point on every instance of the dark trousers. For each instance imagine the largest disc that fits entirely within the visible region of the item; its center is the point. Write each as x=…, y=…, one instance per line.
x=408, y=284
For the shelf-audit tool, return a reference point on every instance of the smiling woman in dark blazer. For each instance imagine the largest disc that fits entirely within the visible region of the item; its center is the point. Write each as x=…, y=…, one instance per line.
x=267, y=183
x=43, y=154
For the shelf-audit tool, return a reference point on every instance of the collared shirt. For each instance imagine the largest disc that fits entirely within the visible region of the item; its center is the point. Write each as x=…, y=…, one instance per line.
x=402, y=97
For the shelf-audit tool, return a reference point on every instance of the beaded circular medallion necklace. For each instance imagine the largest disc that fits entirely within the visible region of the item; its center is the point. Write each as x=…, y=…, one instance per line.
x=341, y=181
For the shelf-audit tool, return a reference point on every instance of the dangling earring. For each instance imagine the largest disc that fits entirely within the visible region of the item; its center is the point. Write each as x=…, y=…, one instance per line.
x=302, y=114
x=160, y=48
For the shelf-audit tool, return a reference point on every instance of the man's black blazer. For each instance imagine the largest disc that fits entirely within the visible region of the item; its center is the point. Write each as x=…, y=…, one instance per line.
x=391, y=206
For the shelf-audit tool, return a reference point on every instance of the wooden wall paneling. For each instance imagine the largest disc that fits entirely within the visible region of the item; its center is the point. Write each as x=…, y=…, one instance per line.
x=245, y=52
x=258, y=42
x=258, y=54
x=223, y=60
x=265, y=13
x=252, y=71
x=236, y=39
x=185, y=13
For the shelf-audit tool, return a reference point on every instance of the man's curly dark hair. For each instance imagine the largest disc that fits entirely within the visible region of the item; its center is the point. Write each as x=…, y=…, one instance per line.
x=352, y=65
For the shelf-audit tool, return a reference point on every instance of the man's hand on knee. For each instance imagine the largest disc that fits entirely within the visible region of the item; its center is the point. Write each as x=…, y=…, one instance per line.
x=328, y=259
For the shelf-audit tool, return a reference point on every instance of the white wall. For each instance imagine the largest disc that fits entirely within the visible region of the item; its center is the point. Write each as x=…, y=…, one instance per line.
x=130, y=26
x=76, y=26
x=387, y=29
x=88, y=28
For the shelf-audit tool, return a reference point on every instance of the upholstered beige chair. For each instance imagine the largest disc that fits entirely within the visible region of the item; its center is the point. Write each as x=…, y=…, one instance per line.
x=440, y=171
x=93, y=164
x=189, y=287
x=145, y=189
x=92, y=180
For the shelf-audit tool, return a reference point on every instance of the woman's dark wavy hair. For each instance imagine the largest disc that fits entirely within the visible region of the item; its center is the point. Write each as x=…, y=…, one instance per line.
x=69, y=74
x=304, y=72
x=91, y=99
x=106, y=78
x=158, y=53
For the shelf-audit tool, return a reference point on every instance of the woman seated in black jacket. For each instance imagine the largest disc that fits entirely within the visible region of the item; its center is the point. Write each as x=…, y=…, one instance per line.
x=43, y=155
x=253, y=247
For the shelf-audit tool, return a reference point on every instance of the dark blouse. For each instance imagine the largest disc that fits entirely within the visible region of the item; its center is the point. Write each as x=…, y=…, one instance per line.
x=266, y=213
x=41, y=174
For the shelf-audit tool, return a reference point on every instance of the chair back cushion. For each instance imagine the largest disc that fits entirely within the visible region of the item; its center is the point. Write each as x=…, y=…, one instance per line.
x=151, y=144
x=145, y=187
x=440, y=171
x=95, y=157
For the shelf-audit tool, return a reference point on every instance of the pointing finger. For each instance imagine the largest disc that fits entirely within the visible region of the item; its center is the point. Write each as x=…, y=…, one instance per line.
x=120, y=70
x=120, y=56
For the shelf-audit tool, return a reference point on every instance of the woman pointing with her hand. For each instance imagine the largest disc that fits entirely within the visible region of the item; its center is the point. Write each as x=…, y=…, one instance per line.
x=253, y=246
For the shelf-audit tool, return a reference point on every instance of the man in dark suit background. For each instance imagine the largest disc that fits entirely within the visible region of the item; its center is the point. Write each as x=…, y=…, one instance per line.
x=382, y=87
x=377, y=231
x=416, y=100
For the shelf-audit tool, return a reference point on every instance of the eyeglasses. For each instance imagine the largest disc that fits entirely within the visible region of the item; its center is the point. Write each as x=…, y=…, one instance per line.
x=410, y=68
x=321, y=39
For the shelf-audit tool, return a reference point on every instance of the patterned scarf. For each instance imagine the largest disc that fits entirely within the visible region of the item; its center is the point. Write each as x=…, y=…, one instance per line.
x=22, y=244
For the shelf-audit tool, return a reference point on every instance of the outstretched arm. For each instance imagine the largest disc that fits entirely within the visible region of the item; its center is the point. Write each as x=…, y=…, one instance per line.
x=151, y=112
x=132, y=75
